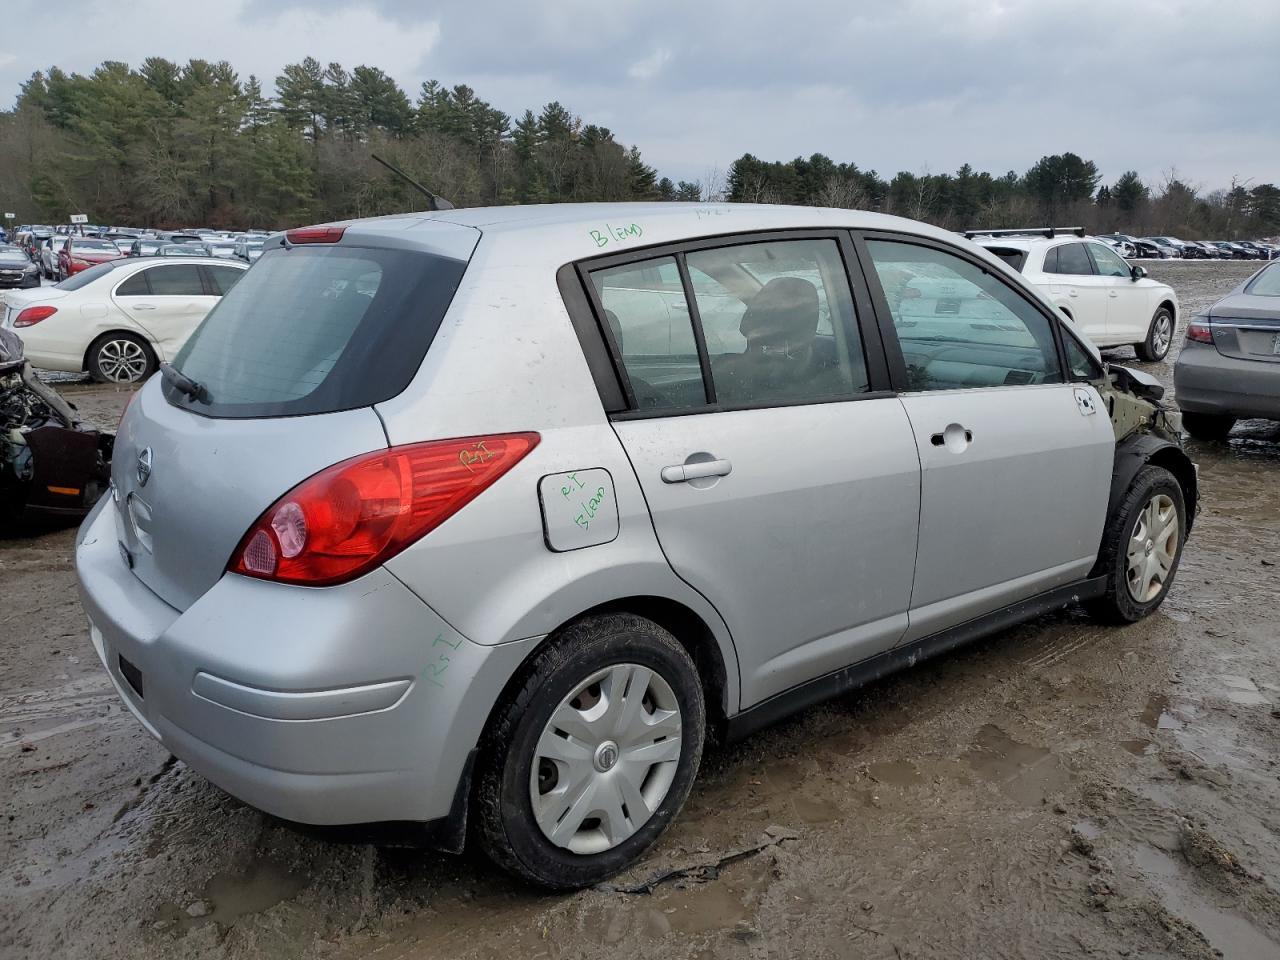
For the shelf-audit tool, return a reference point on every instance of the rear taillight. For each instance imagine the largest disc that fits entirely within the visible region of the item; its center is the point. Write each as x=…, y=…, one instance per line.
x=315, y=234
x=33, y=315
x=1199, y=332
x=349, y=518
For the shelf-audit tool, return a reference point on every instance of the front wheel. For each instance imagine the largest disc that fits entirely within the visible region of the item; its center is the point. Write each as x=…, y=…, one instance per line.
x=121, y=358
x=590, y=759
x=1141, y=547
x=1159, y=337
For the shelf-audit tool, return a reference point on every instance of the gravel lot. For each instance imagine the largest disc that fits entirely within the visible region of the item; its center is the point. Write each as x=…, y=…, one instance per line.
x=1060, y=790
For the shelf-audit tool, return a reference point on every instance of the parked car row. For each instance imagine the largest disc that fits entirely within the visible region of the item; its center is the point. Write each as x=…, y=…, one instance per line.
x=1171, y=248
x=60, y=252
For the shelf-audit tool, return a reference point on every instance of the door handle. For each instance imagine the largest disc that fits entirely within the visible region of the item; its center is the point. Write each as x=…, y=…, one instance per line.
x=1074, y=292
x=143, y=306
x=680, y=472
x=1114, y=294
x=955, y=430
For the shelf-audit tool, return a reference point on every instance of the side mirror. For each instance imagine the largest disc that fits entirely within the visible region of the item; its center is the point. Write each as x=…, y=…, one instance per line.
x=1137, y=272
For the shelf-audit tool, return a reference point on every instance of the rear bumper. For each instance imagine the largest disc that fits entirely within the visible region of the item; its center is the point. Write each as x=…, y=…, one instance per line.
x=341, y=705
x=1205, y=381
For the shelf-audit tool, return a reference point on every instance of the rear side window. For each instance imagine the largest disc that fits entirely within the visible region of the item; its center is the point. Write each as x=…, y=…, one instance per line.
x=1072, y=258
x=315, y=329
x=778, y=321
x=135, y=286
x=176, y=280
x=649, y=321
x=1014, y=258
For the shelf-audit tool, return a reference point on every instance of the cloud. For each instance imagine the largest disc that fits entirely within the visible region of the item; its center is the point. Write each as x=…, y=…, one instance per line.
x=650, y=66
x=937, y=83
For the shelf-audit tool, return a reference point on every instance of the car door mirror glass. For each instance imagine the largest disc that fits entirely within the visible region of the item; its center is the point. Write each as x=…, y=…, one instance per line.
x=1137, y=272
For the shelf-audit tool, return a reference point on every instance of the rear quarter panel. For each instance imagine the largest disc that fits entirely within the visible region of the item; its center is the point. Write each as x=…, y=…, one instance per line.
x=507, y=359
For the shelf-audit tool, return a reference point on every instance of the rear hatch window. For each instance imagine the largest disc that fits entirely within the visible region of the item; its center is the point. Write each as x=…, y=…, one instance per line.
x=1013, y=257
x=317, y=329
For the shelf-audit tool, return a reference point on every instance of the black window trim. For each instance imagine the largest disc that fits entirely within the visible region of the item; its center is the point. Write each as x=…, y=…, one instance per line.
x=889, y=335
x=604, y=359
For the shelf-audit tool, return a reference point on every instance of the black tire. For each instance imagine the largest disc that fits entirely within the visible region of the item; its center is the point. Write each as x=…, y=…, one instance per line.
x=1212, y=427
x=1118, y=604
x=1159, y=337
x=102, y=354
x=506, y=825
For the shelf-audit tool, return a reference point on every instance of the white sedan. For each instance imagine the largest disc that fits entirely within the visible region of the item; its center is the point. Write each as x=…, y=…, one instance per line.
x=120, y=319
x=1113, y=303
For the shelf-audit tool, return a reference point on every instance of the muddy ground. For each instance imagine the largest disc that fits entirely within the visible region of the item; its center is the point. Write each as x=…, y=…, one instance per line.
x=1060, y=790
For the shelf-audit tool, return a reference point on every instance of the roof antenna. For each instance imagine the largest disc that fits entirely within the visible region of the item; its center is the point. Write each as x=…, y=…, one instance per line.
x=436, y=203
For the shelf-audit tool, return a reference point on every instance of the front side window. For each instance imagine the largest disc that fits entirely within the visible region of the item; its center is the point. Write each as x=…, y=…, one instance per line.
x=1081, y=365
x=1108, y=261
x=652, y=330
x=778, y=319
x=960, y=327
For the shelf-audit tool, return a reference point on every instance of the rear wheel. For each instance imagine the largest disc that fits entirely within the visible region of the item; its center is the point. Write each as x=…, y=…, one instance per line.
x=1141, y=547
x=1208, y=426
x=591, y=758
x=121, y=358
x=1159, y=337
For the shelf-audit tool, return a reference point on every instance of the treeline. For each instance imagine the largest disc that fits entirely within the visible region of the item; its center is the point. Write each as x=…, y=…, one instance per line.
x=1063, y=190
x=173, y=145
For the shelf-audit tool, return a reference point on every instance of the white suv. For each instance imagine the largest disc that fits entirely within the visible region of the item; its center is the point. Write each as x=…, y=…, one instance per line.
x=1111, y=302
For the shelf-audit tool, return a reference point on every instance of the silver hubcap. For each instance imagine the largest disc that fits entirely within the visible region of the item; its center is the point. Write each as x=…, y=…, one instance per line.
x=1162, y=335
x=606, y=759
x=1153, y=547
x=122, y=361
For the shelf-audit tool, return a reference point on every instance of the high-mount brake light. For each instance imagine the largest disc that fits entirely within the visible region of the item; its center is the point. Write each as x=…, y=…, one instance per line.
x=315, y=234
x=33, y=315
x=357, y=514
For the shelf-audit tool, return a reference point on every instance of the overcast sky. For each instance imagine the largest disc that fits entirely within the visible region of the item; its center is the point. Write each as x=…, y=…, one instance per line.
x=889, y=85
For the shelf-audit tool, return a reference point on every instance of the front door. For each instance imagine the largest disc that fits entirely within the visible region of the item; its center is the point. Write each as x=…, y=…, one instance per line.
x=782, y=487
x=1016, y=461
x=1128, y=311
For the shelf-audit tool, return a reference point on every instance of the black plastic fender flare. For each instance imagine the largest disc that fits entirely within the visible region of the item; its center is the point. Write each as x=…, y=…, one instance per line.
x=1136, y=451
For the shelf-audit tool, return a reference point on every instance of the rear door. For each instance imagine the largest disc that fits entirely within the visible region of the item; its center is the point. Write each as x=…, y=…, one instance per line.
x=1016, y=459
x=168, y=301
x=1072, y=276
x=781, y=475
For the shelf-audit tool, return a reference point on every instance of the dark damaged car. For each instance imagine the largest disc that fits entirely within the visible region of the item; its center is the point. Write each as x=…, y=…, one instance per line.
x=51, y=461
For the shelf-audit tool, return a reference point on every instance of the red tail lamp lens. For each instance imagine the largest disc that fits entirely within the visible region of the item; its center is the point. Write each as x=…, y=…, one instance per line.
x=33, y=315
x=349, y=518
x=1200, y=332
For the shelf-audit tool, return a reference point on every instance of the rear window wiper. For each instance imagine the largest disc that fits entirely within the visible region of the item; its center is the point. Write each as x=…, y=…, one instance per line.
x=182, y=383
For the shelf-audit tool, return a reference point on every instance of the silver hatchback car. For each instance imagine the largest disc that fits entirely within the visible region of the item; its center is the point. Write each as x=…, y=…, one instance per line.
x=500, y=514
